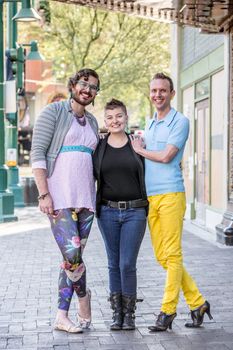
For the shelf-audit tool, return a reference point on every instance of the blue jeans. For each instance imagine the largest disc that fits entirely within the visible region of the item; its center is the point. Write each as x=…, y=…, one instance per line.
x=123, y=232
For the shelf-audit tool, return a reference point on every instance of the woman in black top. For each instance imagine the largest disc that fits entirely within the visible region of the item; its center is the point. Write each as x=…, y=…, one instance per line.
x=121, y=209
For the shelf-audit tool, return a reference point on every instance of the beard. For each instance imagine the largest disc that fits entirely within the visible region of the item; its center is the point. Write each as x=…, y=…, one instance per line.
x=79, y=101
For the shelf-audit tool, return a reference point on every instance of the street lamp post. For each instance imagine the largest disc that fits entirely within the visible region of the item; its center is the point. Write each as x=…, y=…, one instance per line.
x=12, y=127
x=6, y=197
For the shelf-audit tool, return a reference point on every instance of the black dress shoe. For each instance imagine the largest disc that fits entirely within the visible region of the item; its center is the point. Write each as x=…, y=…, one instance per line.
x=163, y=322
x=198, y=315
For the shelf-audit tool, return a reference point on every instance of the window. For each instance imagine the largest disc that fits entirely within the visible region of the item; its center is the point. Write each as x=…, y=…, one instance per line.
x=202, y=89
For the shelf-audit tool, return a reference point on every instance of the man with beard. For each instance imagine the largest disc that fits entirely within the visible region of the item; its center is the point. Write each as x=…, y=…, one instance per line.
x=64, y=137
x=165, y=138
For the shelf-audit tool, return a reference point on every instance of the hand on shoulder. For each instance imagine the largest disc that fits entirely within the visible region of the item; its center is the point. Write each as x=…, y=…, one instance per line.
x=102, y=136
x=137, y=142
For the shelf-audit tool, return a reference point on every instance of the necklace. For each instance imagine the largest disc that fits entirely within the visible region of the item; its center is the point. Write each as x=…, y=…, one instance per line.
x=80, y=119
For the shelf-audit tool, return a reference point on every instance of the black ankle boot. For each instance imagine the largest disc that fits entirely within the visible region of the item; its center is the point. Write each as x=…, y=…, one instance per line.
x=116, y=305
x=129, y=307
x=163, y=322
x=198, y=315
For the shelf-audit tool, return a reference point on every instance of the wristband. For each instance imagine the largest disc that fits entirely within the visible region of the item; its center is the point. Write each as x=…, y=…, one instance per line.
x=42, y=196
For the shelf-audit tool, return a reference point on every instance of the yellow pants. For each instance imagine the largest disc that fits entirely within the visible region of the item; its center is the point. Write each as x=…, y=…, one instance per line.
x=166, y=213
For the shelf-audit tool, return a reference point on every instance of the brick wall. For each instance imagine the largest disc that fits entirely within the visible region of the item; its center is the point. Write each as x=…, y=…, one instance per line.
x=196, y=45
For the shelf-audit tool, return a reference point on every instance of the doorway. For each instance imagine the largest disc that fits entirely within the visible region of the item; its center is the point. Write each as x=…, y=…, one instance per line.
x=202, y=157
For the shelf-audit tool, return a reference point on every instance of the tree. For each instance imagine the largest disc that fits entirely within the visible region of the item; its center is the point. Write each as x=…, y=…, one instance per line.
x=125, y=51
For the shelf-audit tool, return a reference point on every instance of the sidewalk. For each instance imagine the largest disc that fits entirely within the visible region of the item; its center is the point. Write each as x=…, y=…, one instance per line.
x=28, y=293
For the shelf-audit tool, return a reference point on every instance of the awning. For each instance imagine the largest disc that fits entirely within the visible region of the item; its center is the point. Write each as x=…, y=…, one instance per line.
x=209, y=15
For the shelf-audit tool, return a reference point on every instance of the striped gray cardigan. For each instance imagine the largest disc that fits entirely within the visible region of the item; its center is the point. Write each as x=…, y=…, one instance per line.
x=50, y=130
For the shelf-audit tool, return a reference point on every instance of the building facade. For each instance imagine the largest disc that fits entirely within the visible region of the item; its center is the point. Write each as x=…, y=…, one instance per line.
x=202, y=95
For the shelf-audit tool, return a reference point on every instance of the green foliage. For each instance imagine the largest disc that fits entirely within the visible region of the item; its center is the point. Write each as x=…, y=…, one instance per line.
x=44, y=7
x=124, y=50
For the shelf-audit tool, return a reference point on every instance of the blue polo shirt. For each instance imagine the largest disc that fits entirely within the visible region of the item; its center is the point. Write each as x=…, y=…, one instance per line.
x=165, y=177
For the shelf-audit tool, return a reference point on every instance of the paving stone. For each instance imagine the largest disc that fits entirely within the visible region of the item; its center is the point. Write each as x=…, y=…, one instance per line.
x=3, y=343
x=20, y=316
x=30, y=339
x=91, y=343
x=106, y=340
x=155, y=347
x=116, y=347
x=120, y=337
x=27, y=326
x=28, y=300
x=5, y=318
x=134, y=336
x=15, y=328
x=77, y=346
x=170, y=345
x=4, y=329
x=45, y=338
x=13, y=343
x=140, y=347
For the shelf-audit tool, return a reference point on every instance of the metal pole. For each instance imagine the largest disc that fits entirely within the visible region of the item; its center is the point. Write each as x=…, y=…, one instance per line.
x=6, y=197
x=12, y=127
x=12, y=31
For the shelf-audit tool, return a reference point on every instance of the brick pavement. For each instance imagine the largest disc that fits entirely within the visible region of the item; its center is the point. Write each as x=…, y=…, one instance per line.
x=28, y=291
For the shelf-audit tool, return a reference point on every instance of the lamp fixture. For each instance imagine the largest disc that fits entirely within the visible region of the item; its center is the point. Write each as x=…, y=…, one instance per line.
x=34, y=54
x=26, y=13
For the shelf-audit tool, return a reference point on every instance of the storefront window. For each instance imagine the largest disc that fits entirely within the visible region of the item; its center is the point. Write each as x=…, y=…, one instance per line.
x=202, y=89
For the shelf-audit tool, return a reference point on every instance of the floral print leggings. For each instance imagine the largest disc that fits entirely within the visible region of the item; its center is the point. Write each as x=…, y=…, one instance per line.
x=71, y=231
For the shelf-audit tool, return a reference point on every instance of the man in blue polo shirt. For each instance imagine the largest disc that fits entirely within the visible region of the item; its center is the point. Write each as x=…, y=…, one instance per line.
x=165, y=138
